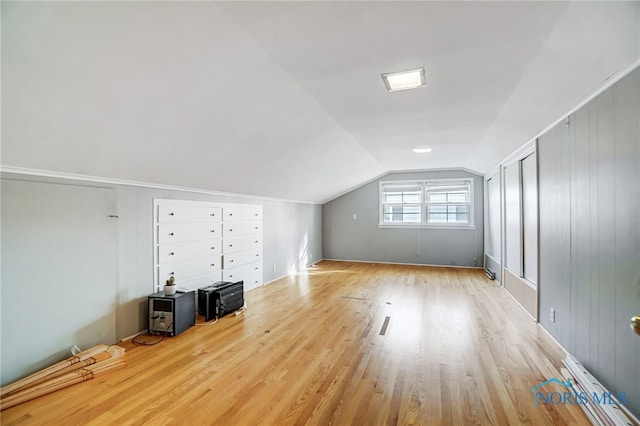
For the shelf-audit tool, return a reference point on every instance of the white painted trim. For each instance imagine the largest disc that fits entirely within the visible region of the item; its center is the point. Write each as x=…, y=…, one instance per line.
x=492, y=258
x=412, y=226
x=112, y=181
x=608, y=82
x=520, y=154
x=408, y=264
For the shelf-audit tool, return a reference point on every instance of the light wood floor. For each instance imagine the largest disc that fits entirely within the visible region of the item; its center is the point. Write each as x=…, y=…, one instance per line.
x=313, y=349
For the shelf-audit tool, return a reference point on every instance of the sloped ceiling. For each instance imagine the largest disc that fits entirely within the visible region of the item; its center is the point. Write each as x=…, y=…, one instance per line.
x=285, y=99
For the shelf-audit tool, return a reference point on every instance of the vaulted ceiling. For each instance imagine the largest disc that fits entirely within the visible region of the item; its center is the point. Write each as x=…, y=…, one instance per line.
x=285, y=99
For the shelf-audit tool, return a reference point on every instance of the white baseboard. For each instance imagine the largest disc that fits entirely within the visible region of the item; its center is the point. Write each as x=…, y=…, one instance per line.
x=409, y=264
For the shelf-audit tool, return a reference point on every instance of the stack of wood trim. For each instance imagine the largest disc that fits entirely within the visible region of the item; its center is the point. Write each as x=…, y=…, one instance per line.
x=614, y=414
x=84, y=366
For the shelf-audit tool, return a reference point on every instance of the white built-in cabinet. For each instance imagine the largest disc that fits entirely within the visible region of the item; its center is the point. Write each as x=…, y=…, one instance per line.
x=200, y=243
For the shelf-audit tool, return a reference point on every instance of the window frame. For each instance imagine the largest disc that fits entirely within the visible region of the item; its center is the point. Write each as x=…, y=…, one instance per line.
x=424, y=204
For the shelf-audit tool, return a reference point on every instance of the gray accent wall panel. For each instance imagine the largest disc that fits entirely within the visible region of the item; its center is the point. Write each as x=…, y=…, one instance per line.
x=590, y=235
x=347, y=239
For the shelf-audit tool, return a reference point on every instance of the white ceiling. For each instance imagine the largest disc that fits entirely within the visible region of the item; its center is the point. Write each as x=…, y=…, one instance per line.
x=285, y=99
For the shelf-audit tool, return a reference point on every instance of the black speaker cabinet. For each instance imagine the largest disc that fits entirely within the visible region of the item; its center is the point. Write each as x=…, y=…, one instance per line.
x=171, y=314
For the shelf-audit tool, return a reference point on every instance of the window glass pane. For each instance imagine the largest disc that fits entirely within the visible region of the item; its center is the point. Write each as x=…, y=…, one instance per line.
x=411, y=217
x=411, y=197
x=438, y=197
x=437, y=209
x=438, y=217
x=457, y=197
x=401, y=214
x=392, y=197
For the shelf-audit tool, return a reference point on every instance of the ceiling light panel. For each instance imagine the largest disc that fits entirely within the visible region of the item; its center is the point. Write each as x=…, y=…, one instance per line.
x=404, y=80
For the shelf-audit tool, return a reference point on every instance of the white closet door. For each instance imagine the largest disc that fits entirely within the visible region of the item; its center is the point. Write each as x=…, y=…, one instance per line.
x=513, y=219
x=530, y=216
x=493, y=187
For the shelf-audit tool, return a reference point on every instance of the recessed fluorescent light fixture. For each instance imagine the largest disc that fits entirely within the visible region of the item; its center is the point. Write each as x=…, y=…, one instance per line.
x=404, y=80
x=421, y=150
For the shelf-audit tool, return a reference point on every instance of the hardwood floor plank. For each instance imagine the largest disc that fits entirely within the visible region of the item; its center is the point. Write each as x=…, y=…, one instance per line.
x=456, y=350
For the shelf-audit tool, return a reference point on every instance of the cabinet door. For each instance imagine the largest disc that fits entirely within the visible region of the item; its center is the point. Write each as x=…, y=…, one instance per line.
x=169, y=253
x=232, y=229
x=180, y=232
x=242, y=213
x=177, y=213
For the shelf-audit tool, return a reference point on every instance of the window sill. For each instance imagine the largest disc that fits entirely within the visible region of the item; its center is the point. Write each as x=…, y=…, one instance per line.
x=420, y=226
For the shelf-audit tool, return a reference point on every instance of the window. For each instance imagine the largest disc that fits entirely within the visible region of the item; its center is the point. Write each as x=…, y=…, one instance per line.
x=402, y=203
x=444, y=203
x=448, y=203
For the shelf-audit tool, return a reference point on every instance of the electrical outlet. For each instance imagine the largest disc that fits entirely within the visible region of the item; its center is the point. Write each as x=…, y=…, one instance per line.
x=355, y=216
x=552, y=314
x=274, y=268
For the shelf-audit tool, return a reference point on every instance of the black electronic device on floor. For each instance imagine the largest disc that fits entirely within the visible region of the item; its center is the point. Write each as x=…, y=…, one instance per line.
x=220, y=299
x=171, y=314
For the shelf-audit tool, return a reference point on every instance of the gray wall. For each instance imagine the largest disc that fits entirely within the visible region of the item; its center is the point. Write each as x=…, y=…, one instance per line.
x=347, y=239
x=589, y=177
x=59, y=272
x=73, y=275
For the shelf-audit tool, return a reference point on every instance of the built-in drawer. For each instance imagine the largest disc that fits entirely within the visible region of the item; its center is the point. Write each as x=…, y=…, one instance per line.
x=242, y=213
x=169, y=253
x=189, y=268
x=179, y=232
x=251, y=274
x=231, y=245
x=179, y=213
x=231, y=229
x=233, y=260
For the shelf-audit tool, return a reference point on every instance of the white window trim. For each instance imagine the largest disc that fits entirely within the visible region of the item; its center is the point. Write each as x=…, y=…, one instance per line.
x=423, y=211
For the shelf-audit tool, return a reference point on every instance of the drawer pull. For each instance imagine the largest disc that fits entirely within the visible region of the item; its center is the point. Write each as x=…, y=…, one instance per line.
x=256, y=214
x=257, y=255
x=212, y=265
x=213, y=248
x=256, y=241
x=213, y=214
x=230, y=276
x=171, y=214
x=171, y=254
x=171, y=234
x=213, y=230
x=231, y=261
x=230, y=230
x=255, y=227
x=256, y=268
x=230, y=214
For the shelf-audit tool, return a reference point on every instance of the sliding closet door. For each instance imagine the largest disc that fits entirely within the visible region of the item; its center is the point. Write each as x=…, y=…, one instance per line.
x=513, y=219
x=530, y=218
